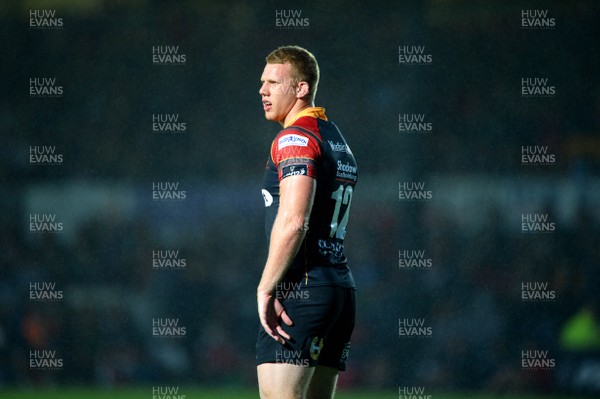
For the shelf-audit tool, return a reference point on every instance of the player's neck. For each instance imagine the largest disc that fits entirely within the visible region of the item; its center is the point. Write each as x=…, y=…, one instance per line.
x=296, y=109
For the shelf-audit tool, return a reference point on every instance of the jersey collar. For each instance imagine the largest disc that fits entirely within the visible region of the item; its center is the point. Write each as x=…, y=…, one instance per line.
x=315, y=112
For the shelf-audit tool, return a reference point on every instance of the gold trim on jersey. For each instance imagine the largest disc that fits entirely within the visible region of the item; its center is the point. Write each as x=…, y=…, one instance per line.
x=315, y=112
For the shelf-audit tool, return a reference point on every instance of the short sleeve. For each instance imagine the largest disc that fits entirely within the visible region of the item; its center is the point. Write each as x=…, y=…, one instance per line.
x=295, y=153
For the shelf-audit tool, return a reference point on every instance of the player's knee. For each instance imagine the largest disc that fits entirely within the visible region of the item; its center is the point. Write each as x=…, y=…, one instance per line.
x=281, y=392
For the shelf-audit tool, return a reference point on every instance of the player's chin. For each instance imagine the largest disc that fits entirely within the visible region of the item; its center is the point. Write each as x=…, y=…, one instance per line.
x=270, y=116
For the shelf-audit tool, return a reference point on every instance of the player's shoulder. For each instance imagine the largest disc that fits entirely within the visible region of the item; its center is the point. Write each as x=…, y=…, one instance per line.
x=305, y=128
x=308, y=124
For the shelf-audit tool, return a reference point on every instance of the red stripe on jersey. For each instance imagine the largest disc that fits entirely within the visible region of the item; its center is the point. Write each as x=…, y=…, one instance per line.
x=295, y=147
x=309, y=123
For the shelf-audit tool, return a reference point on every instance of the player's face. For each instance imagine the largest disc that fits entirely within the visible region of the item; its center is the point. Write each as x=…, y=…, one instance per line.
x=278, y=91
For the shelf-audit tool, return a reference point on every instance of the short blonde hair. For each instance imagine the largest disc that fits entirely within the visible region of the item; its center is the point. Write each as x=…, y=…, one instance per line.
x=304, y=65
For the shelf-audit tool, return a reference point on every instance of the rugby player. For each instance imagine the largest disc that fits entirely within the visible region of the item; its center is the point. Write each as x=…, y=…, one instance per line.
x=306, y=295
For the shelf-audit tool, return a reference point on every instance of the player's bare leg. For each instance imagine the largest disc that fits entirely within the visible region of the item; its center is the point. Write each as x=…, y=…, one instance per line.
x=283, y=381
x=323, y=382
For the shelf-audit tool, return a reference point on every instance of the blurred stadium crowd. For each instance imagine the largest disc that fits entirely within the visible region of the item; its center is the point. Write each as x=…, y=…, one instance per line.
x=470, y=297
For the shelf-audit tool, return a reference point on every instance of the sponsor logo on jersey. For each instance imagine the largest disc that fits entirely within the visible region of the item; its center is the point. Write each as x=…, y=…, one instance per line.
x=346, y=167
x=267, y=197
x=332, y=250
x=339, y=147
x=292, y=140
x=294, y=170
x=346, y=171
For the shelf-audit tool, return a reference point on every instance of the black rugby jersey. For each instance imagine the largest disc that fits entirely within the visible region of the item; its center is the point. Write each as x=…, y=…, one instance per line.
x=311, y=145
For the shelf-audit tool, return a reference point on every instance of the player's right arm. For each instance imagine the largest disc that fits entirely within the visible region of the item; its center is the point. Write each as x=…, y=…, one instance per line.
x=294, y=154
x=289, y=229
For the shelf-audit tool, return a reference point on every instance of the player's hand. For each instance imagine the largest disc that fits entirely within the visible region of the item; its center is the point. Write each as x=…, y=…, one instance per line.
x=270, y=311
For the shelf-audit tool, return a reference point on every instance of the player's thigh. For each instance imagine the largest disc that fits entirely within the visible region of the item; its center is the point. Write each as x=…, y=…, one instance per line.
x=323, y=382
x=283, y=381
x=337, y=343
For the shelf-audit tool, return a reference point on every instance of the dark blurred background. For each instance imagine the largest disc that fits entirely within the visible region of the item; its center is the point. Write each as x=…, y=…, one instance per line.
x=470, y=161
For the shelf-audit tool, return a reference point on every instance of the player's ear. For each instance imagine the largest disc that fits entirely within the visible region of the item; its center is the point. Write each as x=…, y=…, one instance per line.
x=302, y=90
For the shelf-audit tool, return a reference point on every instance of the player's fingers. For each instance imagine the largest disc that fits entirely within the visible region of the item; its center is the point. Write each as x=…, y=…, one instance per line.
x=286, y=319
x=267, y=327
x=275, y=335
x=272, y=331
x=282, y=333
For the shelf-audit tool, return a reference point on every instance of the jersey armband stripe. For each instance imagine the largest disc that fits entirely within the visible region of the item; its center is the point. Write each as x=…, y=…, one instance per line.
x=287, y=161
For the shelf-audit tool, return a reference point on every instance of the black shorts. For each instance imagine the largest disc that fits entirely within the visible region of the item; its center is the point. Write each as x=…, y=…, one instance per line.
x=323, y=319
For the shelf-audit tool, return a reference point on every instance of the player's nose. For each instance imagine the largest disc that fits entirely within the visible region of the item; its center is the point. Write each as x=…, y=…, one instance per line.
x=263, y=90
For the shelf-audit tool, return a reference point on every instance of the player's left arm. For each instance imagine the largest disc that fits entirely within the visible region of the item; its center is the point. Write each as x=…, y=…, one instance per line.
x=296, y=199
